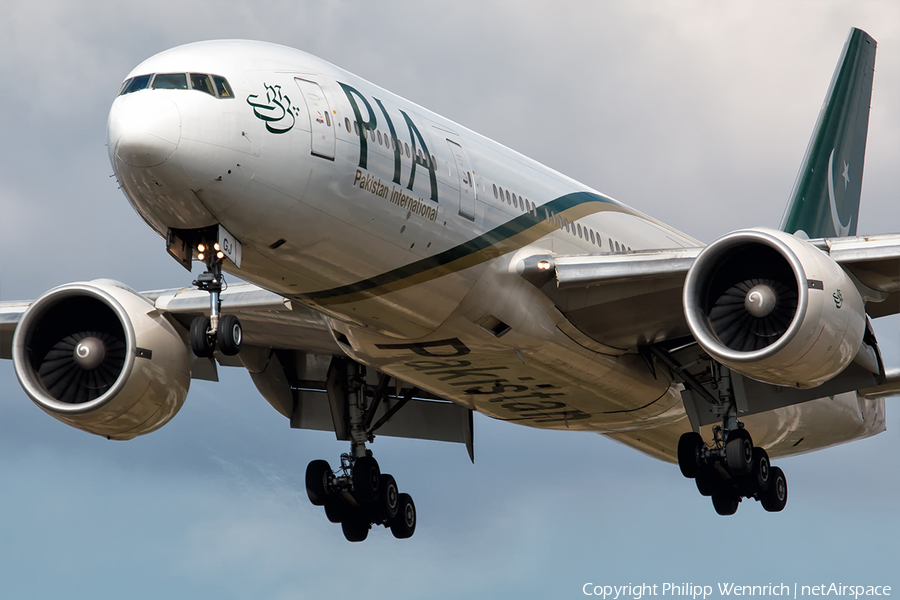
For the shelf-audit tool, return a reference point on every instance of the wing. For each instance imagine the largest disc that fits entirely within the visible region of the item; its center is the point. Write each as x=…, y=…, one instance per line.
x=633, y=299
x=637, y=301
x=288, y=348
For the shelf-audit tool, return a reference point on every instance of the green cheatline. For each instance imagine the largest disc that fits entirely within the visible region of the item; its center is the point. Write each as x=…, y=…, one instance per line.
x=505, y=238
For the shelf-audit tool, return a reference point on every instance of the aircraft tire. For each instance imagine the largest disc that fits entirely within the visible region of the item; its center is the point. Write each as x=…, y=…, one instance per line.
x=758, y=478
x=739, y=452
x=388, y=503
x=201, y=345
x=317, y=474
x=707, y=484
x=774, y=499
x=725, y=502
x=689, y=446
x=355, y=528
x=336, y=511
x=366, y=479
x=403, y=526
x=229, y=335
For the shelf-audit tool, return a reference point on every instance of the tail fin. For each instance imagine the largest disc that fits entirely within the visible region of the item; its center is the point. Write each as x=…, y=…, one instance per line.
x=825, y=198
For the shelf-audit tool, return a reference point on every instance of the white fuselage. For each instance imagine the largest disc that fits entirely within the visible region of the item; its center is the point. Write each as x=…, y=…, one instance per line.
x=412, y=257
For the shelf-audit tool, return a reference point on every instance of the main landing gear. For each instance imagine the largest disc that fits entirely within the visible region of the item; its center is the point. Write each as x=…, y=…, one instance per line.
x=358, y=495
x=732, y=469
x=224, y=330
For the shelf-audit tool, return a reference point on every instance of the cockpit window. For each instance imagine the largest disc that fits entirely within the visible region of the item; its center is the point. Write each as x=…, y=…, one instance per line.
x=137, y=83
x=123, y=87
x=202, y=82
x=223, y=87
x=214, y=85
x=170, y=81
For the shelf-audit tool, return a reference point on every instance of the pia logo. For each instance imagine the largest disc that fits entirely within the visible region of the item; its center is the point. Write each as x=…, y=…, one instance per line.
x=838, y=298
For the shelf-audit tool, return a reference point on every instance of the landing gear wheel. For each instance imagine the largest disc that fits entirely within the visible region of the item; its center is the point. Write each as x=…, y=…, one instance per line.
x=404, y=524
x=355, y=528
x=758, y=477
x=366, y=479
x=388, y=504
x=689, y=446
x=201, y=345
x=774, y=499
x=739, y=452
x=336, y=511
x=229, y=335
x=707, y=484
x=725, y=503
x=318, y=478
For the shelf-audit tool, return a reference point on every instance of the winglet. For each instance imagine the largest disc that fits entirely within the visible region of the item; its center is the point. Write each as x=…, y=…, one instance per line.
x=825, y=198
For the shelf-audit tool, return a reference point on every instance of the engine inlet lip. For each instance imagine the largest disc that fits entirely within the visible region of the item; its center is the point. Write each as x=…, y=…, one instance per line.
x=703, y=265
x=22, y=338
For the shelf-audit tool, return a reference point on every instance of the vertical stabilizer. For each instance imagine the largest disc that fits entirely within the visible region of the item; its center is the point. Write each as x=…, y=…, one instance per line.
x=825, y=198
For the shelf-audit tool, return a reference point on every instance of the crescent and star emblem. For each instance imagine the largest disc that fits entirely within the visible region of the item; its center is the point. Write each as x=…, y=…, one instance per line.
x=839, y=228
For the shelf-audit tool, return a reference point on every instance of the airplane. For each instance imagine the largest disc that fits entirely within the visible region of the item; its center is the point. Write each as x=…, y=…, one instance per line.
x=403, y=272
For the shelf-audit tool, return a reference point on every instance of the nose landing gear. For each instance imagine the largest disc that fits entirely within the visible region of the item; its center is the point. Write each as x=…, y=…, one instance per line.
x=224, y=330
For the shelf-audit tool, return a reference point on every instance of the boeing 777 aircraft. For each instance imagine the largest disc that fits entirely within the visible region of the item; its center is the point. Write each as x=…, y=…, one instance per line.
x=404, y=271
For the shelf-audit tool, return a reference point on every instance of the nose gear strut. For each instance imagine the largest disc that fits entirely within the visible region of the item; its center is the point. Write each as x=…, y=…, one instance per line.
x=224, y=330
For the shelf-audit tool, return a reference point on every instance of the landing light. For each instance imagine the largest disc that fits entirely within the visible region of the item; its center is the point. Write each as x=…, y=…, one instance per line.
x=220, y=255
x=200, y=256
x=201, y=247
x=543, y=265
x=216, y=246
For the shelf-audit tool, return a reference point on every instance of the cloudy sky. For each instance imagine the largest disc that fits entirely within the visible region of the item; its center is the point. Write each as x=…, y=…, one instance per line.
x=695, y=112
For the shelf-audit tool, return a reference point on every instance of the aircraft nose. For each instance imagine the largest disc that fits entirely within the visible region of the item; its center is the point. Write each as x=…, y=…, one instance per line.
x=144, y=129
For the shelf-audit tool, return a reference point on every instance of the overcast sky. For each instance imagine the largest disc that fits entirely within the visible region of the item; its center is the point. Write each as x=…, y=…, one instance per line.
x=697, y=113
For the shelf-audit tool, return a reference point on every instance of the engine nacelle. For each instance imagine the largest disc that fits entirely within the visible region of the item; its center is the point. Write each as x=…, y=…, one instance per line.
x=99, y=357
x=774, y=308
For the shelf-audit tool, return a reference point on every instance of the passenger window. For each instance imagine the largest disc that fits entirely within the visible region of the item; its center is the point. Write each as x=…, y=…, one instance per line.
x=222, y=87
x=495, y=190
x=515, y=201
x=405, y=145
x=508, y=201
x=327, y=119
x=347, y=124
x=170, y=81
x=202, y=82
x=138, y=83
x=379, y=138
x=355, y=128
x=592, y=237
x=578, y=225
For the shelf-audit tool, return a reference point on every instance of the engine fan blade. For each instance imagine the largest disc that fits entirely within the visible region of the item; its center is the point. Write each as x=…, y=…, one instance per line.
x=82, y=366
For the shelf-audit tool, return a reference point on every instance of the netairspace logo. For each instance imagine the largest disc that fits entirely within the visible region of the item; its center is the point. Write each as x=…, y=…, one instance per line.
x=702, y=592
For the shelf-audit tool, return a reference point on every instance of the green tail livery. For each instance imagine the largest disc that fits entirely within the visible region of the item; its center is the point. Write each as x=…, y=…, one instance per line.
x=825, y=198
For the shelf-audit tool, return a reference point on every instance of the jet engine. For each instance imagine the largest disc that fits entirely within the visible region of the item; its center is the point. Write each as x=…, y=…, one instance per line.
x=100, y=357
x=774, y=308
